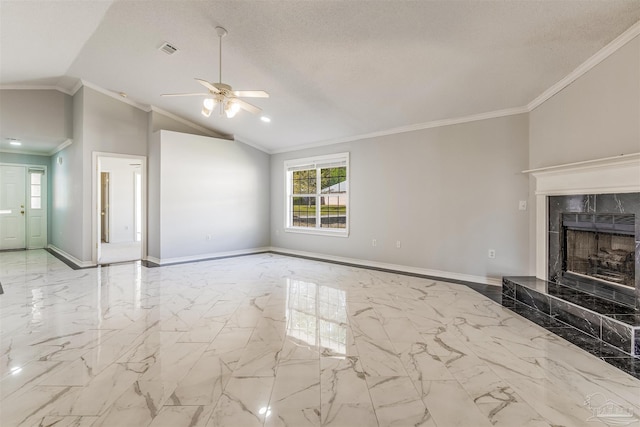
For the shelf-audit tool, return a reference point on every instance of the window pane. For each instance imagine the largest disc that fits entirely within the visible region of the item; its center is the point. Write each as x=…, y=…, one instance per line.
x=304, y=182
x=35, y=191
x=36, y=203
x=303, y=212
x=334, y=180
x=36, y=178
x=333, y=211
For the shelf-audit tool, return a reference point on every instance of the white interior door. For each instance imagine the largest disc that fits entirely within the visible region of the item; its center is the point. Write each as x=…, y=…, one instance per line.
x=12, y=207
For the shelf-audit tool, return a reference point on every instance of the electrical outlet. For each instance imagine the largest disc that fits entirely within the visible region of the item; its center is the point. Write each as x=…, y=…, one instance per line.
x=398, y=244
x=374, y=243
x=208, y=237
x=522, y=205
x=492, y=253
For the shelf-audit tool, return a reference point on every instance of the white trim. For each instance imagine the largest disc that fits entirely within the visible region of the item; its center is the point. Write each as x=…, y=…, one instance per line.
x=143, y=107
x=252, y=144
x=586, y=66
x=95, y=211
x=493, y=281
x=315, y=162
x=410, y=128
x=209, y=132
x=582, y=69
x=205, y=257
x=44, y=200
x=26, y=152
x=77, y=87
x=27, y=203
x=60, y=147
x=34, y=87
x=609, y=175
x=585, y=162
x=76, y=261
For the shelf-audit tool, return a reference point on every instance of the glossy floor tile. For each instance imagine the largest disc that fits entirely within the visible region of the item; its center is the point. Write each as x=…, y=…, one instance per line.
x=270, y=340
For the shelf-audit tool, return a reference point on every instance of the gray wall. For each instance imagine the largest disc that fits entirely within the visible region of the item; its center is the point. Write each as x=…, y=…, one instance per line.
x=153, y=196
x=596, y=116
x=67, y=194
x=109, y=126
x=36, y=115
x=448, y=194
x=210, y=187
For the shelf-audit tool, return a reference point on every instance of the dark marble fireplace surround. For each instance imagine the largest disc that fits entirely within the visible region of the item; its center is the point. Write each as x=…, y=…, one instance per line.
x=626, y=203
x=611, y=319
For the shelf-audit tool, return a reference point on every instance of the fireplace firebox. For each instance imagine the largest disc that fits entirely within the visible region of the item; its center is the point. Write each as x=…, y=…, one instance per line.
x=599, y=248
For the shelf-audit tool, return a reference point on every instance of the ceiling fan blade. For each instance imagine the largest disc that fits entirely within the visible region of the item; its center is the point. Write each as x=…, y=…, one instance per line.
x=208, y=85
x=185, y=94
x=251, y=93
x=246, y=106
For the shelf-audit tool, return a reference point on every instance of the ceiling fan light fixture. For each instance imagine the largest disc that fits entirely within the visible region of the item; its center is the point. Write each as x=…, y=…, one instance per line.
x=231, y=108
x=206, y=112
x=208, y=103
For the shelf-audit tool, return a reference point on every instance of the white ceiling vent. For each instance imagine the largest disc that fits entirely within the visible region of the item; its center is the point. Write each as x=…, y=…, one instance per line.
x=169, y=49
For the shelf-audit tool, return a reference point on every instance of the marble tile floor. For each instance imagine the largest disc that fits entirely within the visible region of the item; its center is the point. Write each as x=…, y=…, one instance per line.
x=270, y=340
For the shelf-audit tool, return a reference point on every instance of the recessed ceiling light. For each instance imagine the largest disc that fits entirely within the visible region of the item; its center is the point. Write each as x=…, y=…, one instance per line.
x=265, y=119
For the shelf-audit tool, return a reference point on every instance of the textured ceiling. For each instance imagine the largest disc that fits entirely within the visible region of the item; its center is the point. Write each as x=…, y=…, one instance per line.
x=334, y=69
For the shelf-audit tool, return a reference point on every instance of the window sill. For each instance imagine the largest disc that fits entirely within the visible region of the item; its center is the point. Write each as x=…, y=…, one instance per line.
x=318, y=232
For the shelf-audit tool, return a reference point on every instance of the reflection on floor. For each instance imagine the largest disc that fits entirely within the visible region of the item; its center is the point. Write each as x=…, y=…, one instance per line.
x=279, y=341
x=119, y=252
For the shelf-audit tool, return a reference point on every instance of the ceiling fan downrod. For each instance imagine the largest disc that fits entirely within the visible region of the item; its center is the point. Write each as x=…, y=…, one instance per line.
x=221, y=33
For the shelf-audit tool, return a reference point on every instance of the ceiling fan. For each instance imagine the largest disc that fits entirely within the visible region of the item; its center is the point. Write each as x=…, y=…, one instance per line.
x=222, y=94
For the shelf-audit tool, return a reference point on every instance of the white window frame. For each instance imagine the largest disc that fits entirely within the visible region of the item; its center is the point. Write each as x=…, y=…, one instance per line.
x=318, y=162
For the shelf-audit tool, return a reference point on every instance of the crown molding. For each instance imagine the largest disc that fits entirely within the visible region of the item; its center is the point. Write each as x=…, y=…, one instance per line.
x=36, y=87
x=624, y=38
x=620, y=41
x=411, y=128
x=207, y=131
x=26, y=152
x=252, y=144
x=77, y=87
x=138, y=105
x=60, y=147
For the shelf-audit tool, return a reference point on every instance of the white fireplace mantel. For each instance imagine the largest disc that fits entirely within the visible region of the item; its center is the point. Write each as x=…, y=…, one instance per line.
x=620, y=174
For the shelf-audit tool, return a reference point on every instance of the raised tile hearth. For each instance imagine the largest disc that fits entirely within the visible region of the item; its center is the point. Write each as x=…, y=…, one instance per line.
x=614, y=324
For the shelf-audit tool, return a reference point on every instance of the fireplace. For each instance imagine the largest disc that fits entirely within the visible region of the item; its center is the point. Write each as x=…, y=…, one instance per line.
x=594, y=243
x=599, y=247
x=587, y=245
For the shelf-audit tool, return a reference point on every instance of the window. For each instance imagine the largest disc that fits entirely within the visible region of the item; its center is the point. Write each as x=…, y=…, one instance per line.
x=318, y=195
x=35, y=177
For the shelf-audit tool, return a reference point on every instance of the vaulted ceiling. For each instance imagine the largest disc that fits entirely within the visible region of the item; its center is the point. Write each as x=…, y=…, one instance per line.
x=335, y=70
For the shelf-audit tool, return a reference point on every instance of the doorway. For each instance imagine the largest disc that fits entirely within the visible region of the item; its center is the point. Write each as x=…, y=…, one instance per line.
x=23, y=207
x=119, y=192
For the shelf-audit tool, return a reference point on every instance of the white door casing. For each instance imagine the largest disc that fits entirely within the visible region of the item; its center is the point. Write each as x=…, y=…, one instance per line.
x=12, y=207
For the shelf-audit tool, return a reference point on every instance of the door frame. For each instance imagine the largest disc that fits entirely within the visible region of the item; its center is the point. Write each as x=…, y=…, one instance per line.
x=27, y=195
x=95, y=201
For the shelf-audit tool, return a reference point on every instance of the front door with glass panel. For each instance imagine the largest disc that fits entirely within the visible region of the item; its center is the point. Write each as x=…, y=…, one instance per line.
x=12, y=207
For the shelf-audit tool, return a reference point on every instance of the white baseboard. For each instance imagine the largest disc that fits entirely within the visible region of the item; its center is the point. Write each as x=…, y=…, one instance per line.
x=76, y=261
x=493, y=281
x=203, y=257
